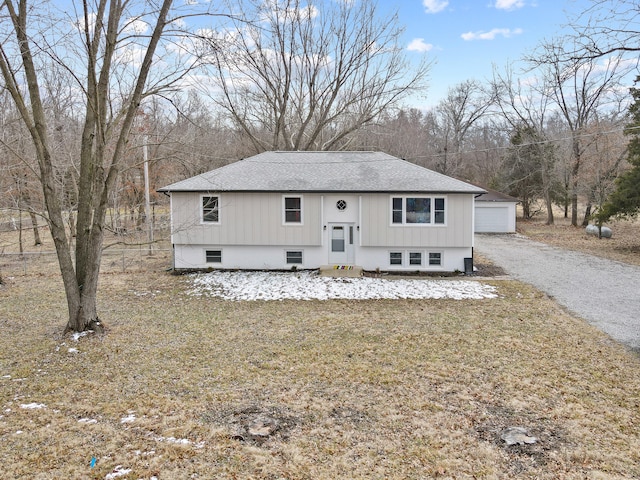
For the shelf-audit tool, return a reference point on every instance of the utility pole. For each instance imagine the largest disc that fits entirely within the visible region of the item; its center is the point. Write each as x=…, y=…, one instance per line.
x=147, y=200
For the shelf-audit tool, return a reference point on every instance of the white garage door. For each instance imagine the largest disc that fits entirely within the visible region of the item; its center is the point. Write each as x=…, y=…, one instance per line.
x=492, y=219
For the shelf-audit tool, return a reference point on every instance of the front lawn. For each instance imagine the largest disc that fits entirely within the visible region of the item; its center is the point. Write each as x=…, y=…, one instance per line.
x=185, y=386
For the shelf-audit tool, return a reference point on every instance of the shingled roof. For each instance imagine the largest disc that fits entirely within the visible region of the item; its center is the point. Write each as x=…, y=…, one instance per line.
x=322, y=172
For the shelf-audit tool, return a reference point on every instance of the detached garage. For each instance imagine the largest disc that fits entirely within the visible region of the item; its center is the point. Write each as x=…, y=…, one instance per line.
x=495, y=212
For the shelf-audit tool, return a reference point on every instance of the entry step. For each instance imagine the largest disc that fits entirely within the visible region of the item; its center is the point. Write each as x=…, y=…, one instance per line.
x=341, y=271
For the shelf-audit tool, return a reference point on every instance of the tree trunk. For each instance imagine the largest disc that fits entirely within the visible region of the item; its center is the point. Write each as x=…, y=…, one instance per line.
x=549, y=204
x=21, y=248
x=587, y=215
x=83, y=305
x=34, y=224
x=72, y=225
x=574, y=183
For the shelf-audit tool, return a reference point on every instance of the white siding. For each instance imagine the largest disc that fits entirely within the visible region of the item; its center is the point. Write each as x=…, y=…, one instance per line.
x=251, y=234
x=377, y=229
x=274, y=258
x=244, y=219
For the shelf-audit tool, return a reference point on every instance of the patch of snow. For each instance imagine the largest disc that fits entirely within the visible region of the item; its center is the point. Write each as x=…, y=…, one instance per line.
x=117, y=472
x=6, y=376
x=73, y=350
x=87, y=420
x=180, y=441
x=249, y=286
x=145, y=454
x=33, y=406
x=129, y=418
x=77, y=335
x=19, y=432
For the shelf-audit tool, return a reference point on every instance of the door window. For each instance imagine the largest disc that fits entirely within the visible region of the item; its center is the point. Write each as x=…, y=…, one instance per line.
x=337, y=239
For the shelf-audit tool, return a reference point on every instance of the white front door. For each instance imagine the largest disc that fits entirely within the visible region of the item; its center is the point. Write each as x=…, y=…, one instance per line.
x=341, y=244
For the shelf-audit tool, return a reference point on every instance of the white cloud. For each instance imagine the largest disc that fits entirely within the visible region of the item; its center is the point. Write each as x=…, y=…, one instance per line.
x=136, y=26
x=435, y=6
x=492, y=34
x=131, y=56
x=509, y=4
x=419, y=45
x=80, y=23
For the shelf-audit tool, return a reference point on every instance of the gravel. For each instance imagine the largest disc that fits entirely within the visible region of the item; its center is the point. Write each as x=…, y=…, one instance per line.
x=604, y=292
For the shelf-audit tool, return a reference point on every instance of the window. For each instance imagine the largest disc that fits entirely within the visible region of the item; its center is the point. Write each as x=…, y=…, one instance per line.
x=341, y=205
x=214, y=256
x=396, y=210
x=210, y=209
x=395, y=258
x=337, y=239
x=435, y=258
x=415, y=258
x=438, y=211
x=418, y=210
x=293, y=209
x=294, y=257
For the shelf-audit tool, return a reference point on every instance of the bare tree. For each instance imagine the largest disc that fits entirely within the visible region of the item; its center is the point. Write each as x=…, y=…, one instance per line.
x=604, y=28
x=464, y=105
x=525, y=111
x=113, y=46
x=298, y=76
x=580, y=88
x=604, y=161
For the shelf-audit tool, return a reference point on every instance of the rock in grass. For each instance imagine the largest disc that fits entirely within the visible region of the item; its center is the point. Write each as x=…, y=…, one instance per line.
x=517, y=435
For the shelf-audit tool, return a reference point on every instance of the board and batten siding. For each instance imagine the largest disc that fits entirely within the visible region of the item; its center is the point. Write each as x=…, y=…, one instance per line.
x=245, y=218
x=378, y=231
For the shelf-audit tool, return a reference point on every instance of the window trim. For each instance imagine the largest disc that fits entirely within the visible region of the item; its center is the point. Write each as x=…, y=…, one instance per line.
x=284, y=210
x=435, y=265
x=421, y=256
x=394, y=211
x=396, y=252
x=202, y=220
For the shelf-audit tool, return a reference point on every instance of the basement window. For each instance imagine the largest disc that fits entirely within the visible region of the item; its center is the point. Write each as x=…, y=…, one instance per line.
x=294, y=257
x=435, y=258
x=415, y=258
x=395, y=258
x=213, y=256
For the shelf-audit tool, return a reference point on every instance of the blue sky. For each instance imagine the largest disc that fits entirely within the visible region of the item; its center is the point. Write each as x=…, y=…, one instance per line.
x=467, y=37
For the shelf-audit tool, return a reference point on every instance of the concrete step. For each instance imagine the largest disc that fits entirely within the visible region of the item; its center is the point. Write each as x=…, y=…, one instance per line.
x=341, y=271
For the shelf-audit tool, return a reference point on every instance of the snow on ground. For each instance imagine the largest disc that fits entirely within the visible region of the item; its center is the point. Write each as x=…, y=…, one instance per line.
x=311, y=286
x=33, y=406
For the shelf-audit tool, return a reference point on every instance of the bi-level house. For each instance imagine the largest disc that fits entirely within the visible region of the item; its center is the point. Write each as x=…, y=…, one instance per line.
x=279, y=210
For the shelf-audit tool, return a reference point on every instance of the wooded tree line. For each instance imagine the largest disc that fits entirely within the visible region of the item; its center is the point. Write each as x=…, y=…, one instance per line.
x=86, y=97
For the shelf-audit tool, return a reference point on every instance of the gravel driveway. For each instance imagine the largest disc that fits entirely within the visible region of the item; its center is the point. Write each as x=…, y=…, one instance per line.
x=604, y=292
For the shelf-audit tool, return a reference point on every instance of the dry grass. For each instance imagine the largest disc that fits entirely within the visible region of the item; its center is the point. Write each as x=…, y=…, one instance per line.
x=624, y=246
x=368, y=389
x=344, y=389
